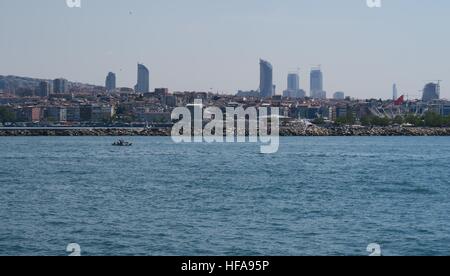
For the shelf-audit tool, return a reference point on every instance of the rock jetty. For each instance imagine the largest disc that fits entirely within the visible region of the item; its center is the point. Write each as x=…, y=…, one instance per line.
x=284, y=131
x=85, y=132
x=364, y=131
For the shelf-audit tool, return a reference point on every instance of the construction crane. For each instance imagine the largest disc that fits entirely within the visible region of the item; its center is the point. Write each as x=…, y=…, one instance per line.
x=438, y=82
x=296, y=70
x=435, y=81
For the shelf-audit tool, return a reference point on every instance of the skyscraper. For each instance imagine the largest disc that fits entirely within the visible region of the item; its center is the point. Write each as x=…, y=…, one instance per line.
x=293, y=82
x=431, y=92
x=44, y=89
x=143, y=79
x=316, y=82
x=110, y=82
x=293, y=87
x=60, y=86
x=394, y=92
x=266, y=79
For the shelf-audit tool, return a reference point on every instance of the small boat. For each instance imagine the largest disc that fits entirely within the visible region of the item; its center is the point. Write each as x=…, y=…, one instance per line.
x=122, y=143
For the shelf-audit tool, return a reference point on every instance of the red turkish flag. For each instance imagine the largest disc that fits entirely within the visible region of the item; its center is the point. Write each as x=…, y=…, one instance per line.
x=400, y=100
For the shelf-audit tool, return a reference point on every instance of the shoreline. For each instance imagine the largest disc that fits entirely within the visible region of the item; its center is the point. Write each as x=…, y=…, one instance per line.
x=284, y=131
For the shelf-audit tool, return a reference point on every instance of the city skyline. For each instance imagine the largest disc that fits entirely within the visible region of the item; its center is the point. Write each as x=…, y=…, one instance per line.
x=266, y=89
x=386, y=45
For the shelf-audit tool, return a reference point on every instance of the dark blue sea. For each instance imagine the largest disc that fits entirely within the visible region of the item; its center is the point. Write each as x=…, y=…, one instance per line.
x=316, y=196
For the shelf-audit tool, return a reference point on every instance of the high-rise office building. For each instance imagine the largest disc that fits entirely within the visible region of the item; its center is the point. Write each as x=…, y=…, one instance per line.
x=143, y=79
x=60, y=86
x=293, y=82
x=110, y=82
x=44, y=89
x=266, y=88
x=431, y=92
x=293, y=87
x=316, y=83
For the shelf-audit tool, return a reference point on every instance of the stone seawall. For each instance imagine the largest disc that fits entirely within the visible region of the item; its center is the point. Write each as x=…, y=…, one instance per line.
x=365, y=131
x=84, y=132
x=284, y=131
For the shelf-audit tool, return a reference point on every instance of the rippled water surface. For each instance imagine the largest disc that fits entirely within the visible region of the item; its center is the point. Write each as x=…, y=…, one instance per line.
x=316, y=196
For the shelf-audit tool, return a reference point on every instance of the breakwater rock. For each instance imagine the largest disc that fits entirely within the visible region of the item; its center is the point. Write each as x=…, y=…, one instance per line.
x=85, y=132
x=364, y=131
x=284, y=131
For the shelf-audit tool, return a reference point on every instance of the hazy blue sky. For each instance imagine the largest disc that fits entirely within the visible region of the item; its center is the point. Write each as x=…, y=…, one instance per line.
x=203, y=44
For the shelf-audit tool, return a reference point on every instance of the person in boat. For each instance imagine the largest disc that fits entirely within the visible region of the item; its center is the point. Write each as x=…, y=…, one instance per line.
x=122, y=143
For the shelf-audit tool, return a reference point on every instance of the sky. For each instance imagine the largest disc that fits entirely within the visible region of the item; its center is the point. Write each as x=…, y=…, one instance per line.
x=215, y=45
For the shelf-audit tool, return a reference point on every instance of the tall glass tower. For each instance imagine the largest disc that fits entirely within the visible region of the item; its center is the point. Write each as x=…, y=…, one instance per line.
x=293, y=82
x=110, y=82
x=60, y=86
x=143, y=79
x=316, y=82
x=266, y=79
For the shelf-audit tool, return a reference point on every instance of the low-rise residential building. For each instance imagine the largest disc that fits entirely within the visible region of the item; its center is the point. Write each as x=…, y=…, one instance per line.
x=28, y=114
x=154, y=117
x=56, y=114
x=102, y=113
x=86, y=113
x=73, y=114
